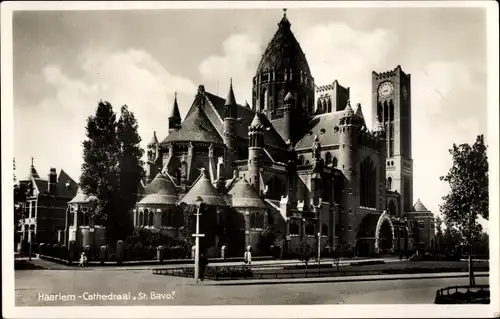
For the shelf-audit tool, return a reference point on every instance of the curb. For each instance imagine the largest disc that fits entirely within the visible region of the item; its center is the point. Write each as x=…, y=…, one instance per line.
x=338, y=279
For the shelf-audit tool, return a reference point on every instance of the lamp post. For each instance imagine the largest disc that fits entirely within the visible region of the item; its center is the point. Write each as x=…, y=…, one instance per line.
x=318, y=215
x=197, y=236
x=30, y=236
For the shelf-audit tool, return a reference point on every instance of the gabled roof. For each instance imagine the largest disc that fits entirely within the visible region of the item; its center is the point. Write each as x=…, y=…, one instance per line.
x=323, y=126
x=244, y=195
x=196, y=127
x=203, y=188
x=66, y=186
x=419, y=207
x=161, y=191
x=81, y=198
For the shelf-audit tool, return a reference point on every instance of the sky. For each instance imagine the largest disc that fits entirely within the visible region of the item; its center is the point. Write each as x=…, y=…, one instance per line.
x=66, y=61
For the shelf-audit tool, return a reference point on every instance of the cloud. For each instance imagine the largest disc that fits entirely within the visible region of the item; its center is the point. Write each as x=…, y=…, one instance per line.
x=240, y=55
x=437, y=89
x=52, y=129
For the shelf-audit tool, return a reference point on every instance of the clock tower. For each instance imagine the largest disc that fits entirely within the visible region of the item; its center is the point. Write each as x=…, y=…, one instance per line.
x=391, y=102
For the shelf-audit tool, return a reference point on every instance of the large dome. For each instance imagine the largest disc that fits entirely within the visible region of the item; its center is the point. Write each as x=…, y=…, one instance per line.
x=283, y=52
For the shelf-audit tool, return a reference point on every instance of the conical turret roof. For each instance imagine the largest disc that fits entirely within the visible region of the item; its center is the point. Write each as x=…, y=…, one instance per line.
x=256, y=122
x=359, y=112
x=161, y=191
x=203, y=188
x=283, y=51
x=154, y=140
x=33, y=172
x=230, y=99
x=244, y=195
x=419, y=207
x=174, y=112
x=348, y=111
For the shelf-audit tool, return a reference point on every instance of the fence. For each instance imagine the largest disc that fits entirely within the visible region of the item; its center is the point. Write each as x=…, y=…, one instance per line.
x=213, y=273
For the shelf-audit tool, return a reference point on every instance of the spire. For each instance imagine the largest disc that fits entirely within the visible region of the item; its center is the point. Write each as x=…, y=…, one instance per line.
x=33, y=172
x=230, y=100
x=247, y=105
x=359, y=112
x=284, y=21
x=175, y=109
x=348, y=109
x=154, y=140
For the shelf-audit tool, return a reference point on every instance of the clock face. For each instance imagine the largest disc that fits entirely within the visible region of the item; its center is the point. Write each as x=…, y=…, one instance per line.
x=386, y=89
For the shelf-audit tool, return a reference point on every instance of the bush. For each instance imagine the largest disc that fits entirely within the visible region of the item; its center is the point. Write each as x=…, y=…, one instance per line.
x=232, y=272
x=141, y=245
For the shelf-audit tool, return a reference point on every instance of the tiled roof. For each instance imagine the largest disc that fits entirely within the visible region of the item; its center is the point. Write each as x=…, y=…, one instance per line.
x=283, y=52
x=419, y=207
x=160, y=191
x=81, y=198
x=244, y=195
x=203, y=188
x=195, y=127
x=324, y=127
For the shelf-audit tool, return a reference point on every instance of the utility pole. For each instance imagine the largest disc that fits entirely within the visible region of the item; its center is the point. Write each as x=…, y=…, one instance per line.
x=197, y=236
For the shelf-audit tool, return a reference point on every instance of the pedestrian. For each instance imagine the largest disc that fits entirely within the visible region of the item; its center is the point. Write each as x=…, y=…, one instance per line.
x=248, y=255
x=203, y=266
x=223, y=252
x=83, y=260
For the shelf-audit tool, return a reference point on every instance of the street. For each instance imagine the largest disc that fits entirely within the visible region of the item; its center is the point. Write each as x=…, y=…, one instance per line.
x=36, y=287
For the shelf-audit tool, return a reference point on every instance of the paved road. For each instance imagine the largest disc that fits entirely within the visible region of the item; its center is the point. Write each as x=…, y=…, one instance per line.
x=31, y=283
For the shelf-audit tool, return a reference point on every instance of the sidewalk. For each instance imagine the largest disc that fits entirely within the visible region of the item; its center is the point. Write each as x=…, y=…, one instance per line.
x=337, y=279
x=187, y=263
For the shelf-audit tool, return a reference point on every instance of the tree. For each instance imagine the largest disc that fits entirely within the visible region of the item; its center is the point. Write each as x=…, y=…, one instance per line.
x=468, y=196
x=100, y=174
x=130, y=166
x=415, y=234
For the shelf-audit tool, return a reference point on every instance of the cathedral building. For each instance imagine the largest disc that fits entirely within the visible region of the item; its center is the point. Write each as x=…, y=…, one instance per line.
x=300, y=158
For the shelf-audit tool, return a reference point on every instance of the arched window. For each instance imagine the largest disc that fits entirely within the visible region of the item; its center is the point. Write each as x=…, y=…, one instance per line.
x=265, y=101
x=310, y=229
x=324, y=229
x=328, y=158
x=165, y=216
x=335, y=162
x=368, y=183
x=140, y=219
x=392, y=208
x=145, y=218
x=281, y=98
x=151, y=221
x=257, y=220
x=294, y=228
x=389, y=183
x=318, y=107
